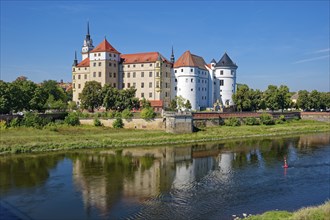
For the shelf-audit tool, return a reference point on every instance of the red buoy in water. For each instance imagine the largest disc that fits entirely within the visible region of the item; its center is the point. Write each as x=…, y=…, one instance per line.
x=285, y=163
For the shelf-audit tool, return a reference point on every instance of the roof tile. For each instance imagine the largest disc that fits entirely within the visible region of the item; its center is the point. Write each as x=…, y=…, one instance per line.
x=190, y=60
x=105, y=46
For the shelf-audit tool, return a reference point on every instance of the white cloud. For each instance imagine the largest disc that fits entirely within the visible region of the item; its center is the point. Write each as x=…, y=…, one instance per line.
x=311, y=59
x=322, y=50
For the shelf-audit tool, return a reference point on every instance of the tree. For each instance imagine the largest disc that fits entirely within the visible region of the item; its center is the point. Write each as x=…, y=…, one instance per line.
x=283, y=97
x=173, y=105
x=91, y=95
x=148, y=113
x=51, y=87
x=242, y=98
x=325, y=100
x=256, y=100
x=5, y=103
x=145, y=103
x=110, y=95
x=21, y=92
x=315, y=100
x=39, y=98
x=270, y=97
x=187, y=105
x=303, y=100
x=180, y=101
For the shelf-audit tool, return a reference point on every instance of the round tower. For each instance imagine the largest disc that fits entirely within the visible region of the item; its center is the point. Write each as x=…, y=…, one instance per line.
x=225, y=72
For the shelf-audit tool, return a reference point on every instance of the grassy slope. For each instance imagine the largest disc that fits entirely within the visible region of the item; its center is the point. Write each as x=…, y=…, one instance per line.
x=321, y=212
x=64, y=137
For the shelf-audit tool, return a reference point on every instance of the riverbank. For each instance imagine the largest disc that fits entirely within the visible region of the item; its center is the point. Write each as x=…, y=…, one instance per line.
x=22, y=139
x=321, y=212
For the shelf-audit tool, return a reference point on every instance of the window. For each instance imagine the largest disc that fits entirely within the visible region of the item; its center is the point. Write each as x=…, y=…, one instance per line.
x=191, y=80
x=94, y=64
x=166, y=74
x=134, y=85
x=199, y=80
x=142, y=74
x=85, y=76
x=176, y=80
x=110, y=74
x=114, y=85
x=175, y=88
x=109, y=54
x=142, y=95
x=128, y=66
x=165, y=85
x=191, y=89
x=150, y=64
x=157, y=84
x=157, y=65
x=73, y=70
x=109, y=64
x=150, y=85
x=100, y=63
x=78, y=86
x=123, y=85
x=85, y=68
x=128, y=85
x=175, y=71
x=123, y=74
x=165, y=94
x=142, y=85
x=94, y=74
x=141, y=65
x=221, y=72
x=114, y=65
x=192, y=70
x=114, y=75
x=221, y=82
x=232, y=72
x=99, y=74
x=73, y=77
x=99, y=54
x=150, y=74
x=133, y=65
x=114, y=55
x=134, y=74
x=79, y=68
x=74, y=86
x=181, y=70
x=150, y=94
x=157, y=74
x=128, y=75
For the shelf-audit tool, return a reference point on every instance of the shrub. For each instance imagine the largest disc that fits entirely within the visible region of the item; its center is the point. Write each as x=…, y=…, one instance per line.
x=34, y=120
x=3, y=124
x=232, y=121
x=148, y=114
x=117, y=115
x=280, y=120
x=111, y=114
x=267, y=119
x=127, y=114
x=118, y=123
x=16, y=122
x=72, y=119
x=251, y=121
x=97, y=122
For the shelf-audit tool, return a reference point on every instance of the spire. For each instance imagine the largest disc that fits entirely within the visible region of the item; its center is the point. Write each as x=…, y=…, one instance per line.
x=88, y=36
x=75, y=61
x=172, y=56
x=88, y=28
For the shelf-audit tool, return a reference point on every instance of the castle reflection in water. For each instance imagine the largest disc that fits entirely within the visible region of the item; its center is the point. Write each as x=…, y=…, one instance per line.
x=138, y=175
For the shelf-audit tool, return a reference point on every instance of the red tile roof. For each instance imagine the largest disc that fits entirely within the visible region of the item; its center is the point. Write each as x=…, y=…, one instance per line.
x=148, y=57
x=84, y=63
x=156, y=103
x=105, y=46
x=190, y=60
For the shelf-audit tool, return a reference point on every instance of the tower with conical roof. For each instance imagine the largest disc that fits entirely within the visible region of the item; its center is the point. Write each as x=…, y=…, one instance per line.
x=225, y=72
x=88, y=44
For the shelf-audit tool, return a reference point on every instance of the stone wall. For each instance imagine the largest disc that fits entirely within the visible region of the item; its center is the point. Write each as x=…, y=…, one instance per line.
x=155, y=124
x=178, y=123
x=317, y=116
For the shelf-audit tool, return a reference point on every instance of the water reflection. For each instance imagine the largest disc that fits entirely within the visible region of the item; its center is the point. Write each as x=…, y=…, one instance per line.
x=144, y=182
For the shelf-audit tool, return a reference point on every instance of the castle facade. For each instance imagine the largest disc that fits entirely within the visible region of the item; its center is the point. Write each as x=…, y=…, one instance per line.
x=154, y=77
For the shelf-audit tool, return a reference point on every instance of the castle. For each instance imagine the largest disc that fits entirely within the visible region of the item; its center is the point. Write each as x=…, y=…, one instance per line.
x=156, y=78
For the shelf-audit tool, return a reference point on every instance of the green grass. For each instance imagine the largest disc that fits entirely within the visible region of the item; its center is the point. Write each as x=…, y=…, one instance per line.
x=321, y=212
x=18, y=140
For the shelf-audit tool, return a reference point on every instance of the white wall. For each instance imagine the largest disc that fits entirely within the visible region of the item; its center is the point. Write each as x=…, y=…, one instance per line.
x=229, y=84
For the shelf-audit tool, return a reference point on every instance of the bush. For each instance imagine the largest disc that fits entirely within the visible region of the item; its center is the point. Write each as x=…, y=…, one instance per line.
x=16, y=122
x=118, y=123
x=127, y=114
x=148, y=114
x=111, y=114
x=251, y=121
x=72, y=119
x=117, y=115
x=3, y=125
x=97, y=122
x=232, y=121
x=267, y=119
x=34, y=120
x=280, y=120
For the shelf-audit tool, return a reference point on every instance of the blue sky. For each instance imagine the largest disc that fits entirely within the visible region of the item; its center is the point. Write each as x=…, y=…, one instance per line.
x=272, y=42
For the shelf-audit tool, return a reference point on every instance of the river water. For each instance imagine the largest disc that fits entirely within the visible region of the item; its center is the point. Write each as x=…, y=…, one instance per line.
x=201, y=181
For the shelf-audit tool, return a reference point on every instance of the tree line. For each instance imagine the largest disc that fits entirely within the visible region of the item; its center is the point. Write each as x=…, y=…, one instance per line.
x=279, y=98
x=23, y=94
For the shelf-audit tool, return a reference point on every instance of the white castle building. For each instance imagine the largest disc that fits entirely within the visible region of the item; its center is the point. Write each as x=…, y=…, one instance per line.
x=154, y=77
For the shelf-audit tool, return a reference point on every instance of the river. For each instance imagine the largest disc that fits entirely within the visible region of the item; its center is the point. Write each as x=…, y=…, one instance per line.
x=201, y=181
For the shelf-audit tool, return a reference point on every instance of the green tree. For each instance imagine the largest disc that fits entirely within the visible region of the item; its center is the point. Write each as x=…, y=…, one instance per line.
x=325, y=100
x=118, y=123
x=283, y=97
x=145, y=103
x=91, y=96
x=315, y=100
x=303, y=100
x=39, y=98
x=242, y=98
x=270, y=97
x=5, y=102
x=180, y=101
x=173, y=105
x=51, y=87
x=148, y=113
x=187, y=105
x=256, y=100
x=21, y=92
x=110, y=95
